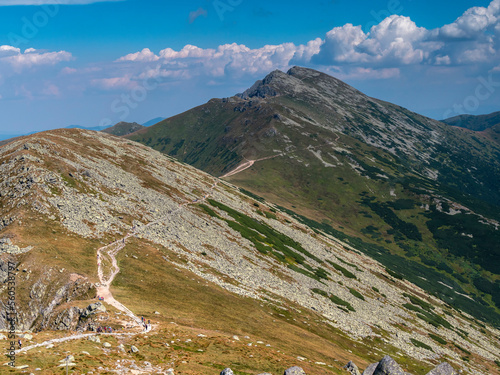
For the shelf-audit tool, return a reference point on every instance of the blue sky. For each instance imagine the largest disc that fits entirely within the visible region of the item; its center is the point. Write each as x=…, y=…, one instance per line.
x=90, y=63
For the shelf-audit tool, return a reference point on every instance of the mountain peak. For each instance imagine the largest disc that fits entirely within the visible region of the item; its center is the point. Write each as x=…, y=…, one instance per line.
x=301, y=72
x=274, y=84
x=306, y=83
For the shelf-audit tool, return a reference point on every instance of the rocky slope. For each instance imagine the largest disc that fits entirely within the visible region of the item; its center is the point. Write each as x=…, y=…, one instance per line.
x=417, y=195
x=65, y=193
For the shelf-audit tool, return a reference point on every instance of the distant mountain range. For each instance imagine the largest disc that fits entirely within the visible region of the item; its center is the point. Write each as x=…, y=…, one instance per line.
x=416, y=194
x=119, y=130
x=123, y=128
x=476, y=123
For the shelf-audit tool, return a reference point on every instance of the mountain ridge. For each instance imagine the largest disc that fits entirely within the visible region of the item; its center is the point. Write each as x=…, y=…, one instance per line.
x=306, y=293
x=410, y=186
x=475, y=122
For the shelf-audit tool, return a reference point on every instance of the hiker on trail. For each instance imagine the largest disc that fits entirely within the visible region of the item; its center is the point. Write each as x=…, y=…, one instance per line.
x=19, y=343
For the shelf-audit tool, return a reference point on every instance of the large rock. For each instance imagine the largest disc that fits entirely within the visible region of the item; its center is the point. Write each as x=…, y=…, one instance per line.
x=68, y=359
x=352, y=368
x=370, y=369
x=134, y=349
x=226, y=371
x=443, y=369
x=66, y=319
x=95, y=339
x=295, y=370
x=387, y=366
x=94, y=308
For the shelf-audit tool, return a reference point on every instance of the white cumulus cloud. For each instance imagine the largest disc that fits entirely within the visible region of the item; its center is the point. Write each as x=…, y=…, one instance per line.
x=388, y=50
x=19, y=61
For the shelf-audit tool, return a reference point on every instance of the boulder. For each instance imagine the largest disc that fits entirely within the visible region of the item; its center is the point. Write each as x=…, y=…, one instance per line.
x=370, y=369
x=443, y=369
x=107, y=345
x=133, y=349
x=295, y=370
x=95, y=339
x=93, y=308
x=68, y=359
x=352, y=368
x=387, y=366
x=227, y=371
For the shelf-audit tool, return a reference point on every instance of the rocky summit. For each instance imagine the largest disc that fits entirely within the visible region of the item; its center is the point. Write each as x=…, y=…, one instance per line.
x=130, y=260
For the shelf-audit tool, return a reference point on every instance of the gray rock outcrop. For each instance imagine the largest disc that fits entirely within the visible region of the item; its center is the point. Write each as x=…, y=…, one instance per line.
x=67, y=319
x=352, y=368
x=443, y=369
x=370, y=369
x=227, y=371
x=93, y=309
x=6, y=246
x=295, y=370
x=387, y=366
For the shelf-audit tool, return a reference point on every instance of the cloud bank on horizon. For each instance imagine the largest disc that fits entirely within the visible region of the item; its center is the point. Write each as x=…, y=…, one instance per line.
x=396, y=47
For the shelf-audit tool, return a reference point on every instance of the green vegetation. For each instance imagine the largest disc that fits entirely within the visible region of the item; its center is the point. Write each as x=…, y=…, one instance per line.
x=208, y=210
x=419, y=302
x=409, y=230
x=356, y=294
x=344, y=271
x=423, y=310
x=394, y=274
x=70, y=181
x=465, y=236
x=270, y=215
x=252, y=195
x=420, y=344
x=425, y=277
x=336, y=300
x=350, y=264
x=462, y=349
x=438, y=339
x=434, y=320
x=269, y=241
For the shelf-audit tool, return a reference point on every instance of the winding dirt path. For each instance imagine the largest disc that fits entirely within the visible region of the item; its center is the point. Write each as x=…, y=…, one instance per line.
x=249, y=163
x=108, y=253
